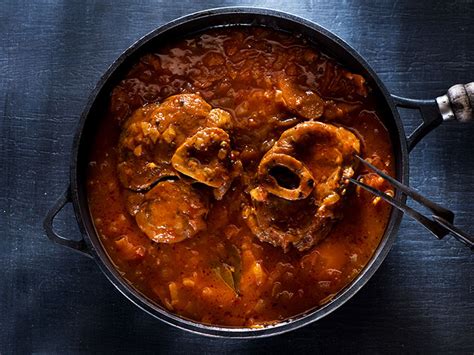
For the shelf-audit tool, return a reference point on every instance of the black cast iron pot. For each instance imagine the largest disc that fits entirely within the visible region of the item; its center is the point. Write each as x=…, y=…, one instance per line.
x=454, y=106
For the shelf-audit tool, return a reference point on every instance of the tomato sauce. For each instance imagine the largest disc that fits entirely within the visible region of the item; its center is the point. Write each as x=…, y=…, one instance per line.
x=225, y=275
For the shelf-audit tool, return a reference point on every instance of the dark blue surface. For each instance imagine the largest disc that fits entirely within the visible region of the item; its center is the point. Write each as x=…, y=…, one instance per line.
x=54, y=300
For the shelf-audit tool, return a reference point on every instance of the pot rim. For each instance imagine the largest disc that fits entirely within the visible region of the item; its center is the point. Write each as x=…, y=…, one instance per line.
x=106, y=265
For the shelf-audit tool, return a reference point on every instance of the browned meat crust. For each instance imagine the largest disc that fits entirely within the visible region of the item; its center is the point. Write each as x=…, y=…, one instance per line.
x=299, y=204
x=172, y=211
x=152, y=134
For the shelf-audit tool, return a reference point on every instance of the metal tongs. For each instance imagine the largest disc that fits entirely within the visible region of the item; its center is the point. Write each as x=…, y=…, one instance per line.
x=440, y=223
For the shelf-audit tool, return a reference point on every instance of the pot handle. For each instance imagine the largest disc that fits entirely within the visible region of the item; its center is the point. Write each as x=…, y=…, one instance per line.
x=77, y=245
x=456, y=105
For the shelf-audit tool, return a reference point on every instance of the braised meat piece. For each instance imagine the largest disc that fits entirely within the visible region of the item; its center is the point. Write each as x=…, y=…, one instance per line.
x=301, y=182
x=172, y=211
x=285, y=177
x=137, y=168
x=205, y=157
x=152, y=134
x=305, y=103
x=282, y=222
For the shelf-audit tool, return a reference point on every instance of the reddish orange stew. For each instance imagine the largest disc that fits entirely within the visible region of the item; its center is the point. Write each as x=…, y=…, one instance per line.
x=218, y=183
